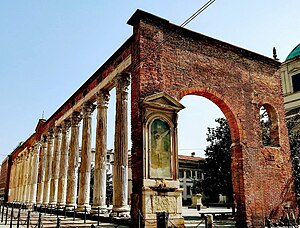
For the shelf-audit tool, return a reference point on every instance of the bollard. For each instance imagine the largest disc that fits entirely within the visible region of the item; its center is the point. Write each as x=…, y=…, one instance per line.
x=40, y=221
x=2, y=213
x=84, y=214
x=6, y=215
x=210, y=221
x=162, y=219
x=19, y=215
x=74, y=214
x=28, y=219
x=58, y=222
x=139, y=218
x=11, y=215
x=98, y=219
x=65, y=212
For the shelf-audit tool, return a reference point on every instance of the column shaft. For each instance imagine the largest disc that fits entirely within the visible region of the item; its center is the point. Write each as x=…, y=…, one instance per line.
x=62, y=180
x=55, y=167
x=99, y=193
x=34, y=176
x=42, y=167
x=28, y=174
x=73, y=162
x=86, y=159
x=48, y=170
x=120, y=174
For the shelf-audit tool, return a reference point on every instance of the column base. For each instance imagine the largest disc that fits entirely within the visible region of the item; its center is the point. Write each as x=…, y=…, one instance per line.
x=52, y=205
x=83, y=208
x=102, y=210
x=60, y=206
x=71, y=207
x=120, y=211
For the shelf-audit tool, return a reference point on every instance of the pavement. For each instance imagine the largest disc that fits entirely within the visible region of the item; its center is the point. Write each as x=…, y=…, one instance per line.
x=192, y=219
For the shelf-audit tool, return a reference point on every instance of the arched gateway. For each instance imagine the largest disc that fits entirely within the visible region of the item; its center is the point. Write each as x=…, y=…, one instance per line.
x=173, y=62
x=165, y=62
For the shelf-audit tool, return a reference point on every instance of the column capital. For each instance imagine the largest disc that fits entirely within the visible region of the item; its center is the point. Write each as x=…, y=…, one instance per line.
x=65, y=126
x=122, y=81
x=75, y=119
x=57, y=131
x=88, y=108
x=103, y=98
x=50, y=134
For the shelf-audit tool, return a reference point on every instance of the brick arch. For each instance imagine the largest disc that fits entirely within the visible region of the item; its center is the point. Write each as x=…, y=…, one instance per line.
x=218, y=100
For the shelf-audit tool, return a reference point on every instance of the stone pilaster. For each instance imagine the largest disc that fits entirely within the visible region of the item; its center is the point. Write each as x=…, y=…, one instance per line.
x=20, y=186
x=42, y=168
x=86, y=159
x=99, y=192
x=48, y=169
x=120, y=177
x=55, y=166
x=62, y=180
x=34, y=177
x=73, y=162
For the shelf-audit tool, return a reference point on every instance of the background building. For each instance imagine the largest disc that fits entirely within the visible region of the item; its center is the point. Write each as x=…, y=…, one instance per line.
x=290, y=75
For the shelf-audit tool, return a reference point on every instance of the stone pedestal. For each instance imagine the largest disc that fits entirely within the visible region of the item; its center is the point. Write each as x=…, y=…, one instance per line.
x=162, y=197
x=197, y=201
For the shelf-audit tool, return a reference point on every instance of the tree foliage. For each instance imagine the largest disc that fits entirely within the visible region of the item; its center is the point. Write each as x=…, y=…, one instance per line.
x=293, y=125
x=218, y=178
x=218, y=162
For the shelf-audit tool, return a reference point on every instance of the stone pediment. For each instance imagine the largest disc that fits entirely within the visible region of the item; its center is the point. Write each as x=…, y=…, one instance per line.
x=162, y=101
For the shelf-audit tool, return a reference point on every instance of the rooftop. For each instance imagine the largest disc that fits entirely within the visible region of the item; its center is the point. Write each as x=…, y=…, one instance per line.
x=294, y=53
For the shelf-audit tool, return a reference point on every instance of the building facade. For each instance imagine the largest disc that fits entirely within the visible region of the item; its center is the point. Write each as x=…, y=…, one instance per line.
x=290, y=76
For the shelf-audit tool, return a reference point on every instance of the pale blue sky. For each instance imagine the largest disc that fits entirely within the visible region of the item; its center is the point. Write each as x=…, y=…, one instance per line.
x=48, y=49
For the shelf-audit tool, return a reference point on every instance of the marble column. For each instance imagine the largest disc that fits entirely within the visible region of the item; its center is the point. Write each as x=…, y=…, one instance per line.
x=62, y=180
x=99, y=191
x=86, y=159
x=42, y=167
x=24, y=177
x=120, y=171
x=73, y=162
x=20, y=185
x=48, y=169
x=34, y=176
x=55, y=167
x=12, y=181
x=17, y=199
x=29, y=174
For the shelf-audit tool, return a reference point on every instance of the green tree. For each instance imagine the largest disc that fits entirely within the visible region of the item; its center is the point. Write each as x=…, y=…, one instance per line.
x=293, y=125
x=218, y=162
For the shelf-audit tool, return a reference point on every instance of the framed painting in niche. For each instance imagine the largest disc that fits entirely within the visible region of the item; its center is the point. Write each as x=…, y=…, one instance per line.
x=160, y=150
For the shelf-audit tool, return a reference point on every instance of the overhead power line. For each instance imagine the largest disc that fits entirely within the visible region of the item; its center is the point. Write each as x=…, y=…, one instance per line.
x=197, y=13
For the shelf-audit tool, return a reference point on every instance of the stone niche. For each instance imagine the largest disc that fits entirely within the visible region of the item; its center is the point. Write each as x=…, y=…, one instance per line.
x=161, y=190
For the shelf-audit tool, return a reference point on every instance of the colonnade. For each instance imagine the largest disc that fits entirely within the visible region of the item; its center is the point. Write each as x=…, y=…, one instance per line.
x=46, y=173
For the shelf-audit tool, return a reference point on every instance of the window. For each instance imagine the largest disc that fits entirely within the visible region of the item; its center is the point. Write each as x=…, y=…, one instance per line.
x=296, y=83
x=269, y=126
x=188, y=174
x=180, y=173
x=188, y=190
